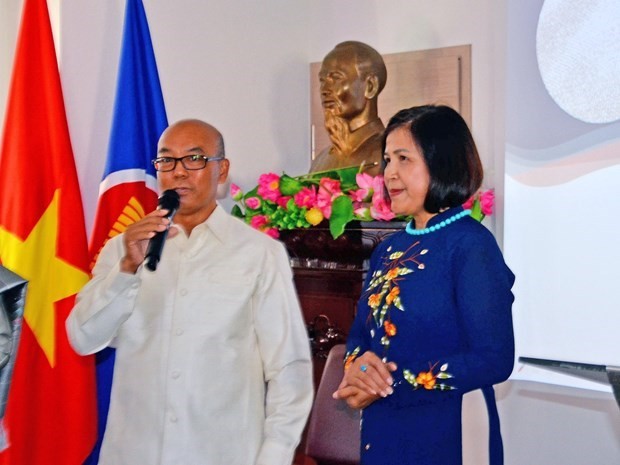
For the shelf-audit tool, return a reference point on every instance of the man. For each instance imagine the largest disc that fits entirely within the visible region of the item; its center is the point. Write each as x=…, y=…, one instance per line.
x=351, y=77
x=212, y=358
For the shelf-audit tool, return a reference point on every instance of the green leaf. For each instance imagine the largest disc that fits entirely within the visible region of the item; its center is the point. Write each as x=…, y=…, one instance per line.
x=268, y=208
x=236, y=211
x=342, y=213
x=289, y=186
x=476, y=211
x=347, y=177
x=317, y=176
x=252, y=193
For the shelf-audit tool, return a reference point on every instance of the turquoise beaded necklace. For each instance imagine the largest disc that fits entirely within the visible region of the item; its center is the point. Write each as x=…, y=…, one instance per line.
x=418, y=232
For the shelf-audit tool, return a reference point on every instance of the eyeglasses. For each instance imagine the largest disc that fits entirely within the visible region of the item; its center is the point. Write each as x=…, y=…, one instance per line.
x=189, y=162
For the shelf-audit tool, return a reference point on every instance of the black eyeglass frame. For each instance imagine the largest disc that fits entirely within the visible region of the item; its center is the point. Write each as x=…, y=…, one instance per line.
x=176, y=160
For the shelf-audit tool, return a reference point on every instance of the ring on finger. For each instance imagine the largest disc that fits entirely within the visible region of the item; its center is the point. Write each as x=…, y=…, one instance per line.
x=364, y=368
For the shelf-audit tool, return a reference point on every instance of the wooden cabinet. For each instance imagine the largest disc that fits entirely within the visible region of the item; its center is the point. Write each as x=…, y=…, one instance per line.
x=329, y=273
x=332, y=293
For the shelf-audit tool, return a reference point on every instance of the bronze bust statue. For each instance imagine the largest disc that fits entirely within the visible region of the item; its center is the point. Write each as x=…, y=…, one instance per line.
x=351, y=77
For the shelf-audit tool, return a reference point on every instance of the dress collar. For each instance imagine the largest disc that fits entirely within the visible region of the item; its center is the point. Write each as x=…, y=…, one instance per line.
x=438, y=221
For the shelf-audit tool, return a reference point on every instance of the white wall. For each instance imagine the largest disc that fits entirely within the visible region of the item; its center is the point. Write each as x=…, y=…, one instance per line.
x=240, y=65
x=9, y=20
x=243, y=65
x=561, y=237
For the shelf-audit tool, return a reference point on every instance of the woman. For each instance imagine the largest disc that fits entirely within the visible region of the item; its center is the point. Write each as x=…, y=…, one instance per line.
x=434, y=321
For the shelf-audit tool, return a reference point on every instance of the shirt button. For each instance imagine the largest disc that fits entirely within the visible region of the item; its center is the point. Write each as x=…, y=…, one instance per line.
x=179, y=331
x=173, y=419
x=176, y=374
x=367, y=446
x=183, y=292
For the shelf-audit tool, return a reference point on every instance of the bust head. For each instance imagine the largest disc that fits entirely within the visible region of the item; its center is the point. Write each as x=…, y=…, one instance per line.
x=351, y=77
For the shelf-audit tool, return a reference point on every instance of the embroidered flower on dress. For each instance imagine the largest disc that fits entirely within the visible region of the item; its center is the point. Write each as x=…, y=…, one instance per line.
x=390, y=328
x=384, y=295
x=384, y=289
x=350, y=357
x=428, y=379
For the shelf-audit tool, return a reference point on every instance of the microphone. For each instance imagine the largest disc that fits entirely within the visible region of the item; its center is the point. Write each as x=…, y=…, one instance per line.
x=169, y=200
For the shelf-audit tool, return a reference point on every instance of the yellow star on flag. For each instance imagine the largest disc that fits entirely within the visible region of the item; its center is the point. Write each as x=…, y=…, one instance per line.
x=51, y=279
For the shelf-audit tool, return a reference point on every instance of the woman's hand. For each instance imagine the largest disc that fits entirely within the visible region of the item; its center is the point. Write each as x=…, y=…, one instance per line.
x=366, y=379
x=355, y=397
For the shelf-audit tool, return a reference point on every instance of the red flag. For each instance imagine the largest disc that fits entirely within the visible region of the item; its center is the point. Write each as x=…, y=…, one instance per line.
x=51, y=411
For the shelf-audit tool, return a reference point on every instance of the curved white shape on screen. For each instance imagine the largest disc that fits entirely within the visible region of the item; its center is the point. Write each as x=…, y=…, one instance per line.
x=578, y=52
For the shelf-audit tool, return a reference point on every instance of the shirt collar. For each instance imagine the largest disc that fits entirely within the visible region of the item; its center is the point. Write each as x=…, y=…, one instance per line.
x=362, y=134
x=217, y=223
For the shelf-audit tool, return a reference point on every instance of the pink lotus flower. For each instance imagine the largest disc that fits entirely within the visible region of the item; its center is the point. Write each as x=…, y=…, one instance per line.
x=282, y=201
x=272, y=232
x=380, y=196
x=235, y=192
x=358, y=195
x=380, y=210
x=487, y=201
x=329, y=189
x=469, y=202
x=306, y=197
x=269, y=187
x=370, y=183
x=259, y=222
x=253, y=203
x=362, y=212
x=325, y=207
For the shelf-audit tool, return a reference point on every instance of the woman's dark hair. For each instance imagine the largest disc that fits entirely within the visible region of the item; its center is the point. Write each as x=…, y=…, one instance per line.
x=448, y=149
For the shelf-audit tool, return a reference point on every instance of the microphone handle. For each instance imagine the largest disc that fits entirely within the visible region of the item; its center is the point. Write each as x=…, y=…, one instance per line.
x=156, y=245
x=169, y=200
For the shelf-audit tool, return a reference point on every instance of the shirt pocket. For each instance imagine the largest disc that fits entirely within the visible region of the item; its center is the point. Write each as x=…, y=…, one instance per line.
x=220, y=302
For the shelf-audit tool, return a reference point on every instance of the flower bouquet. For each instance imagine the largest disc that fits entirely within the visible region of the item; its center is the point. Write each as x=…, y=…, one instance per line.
x=282, y=202
x=339, y=196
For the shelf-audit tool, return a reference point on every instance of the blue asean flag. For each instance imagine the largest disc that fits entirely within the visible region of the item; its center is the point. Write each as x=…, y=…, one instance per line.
x=128, y=189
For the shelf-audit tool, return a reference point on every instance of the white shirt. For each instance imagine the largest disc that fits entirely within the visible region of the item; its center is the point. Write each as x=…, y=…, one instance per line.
x=212, y=356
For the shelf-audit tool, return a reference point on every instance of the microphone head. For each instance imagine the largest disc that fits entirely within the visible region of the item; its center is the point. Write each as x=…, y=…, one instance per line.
x=169, y=200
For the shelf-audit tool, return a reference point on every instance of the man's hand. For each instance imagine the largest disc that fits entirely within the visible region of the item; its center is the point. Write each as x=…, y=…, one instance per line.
x=367, y=379
x=136, y=238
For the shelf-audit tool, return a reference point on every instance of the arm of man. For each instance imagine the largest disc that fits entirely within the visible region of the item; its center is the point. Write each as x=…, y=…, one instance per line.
x=284, y=347
x=107, y=301
x=104, y=304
